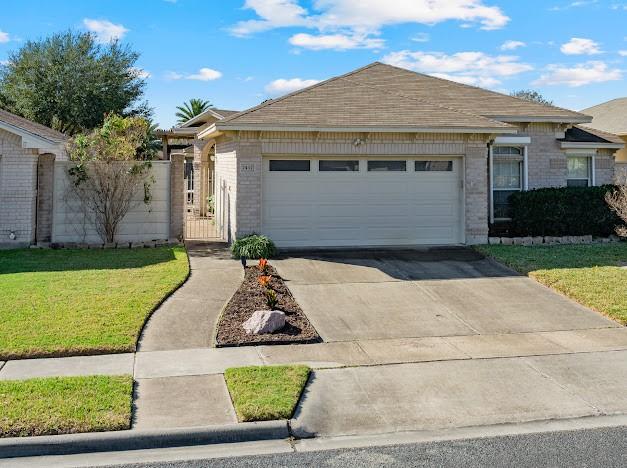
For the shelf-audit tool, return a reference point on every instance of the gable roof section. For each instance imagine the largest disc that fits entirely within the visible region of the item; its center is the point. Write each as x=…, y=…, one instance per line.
x=610, y=116
x=217, y=114
x=380, y=96
x=585, y=137
x=462, y=97
x=342, y=104
x=22, y=125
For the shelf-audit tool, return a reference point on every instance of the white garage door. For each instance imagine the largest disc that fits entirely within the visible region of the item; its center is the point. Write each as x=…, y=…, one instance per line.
x=362, y=202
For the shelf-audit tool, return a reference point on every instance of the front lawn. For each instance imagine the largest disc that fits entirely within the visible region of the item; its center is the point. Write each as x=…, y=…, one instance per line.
x=64, y=405
x=263, y=393
x=70, y=302
x=590, y=274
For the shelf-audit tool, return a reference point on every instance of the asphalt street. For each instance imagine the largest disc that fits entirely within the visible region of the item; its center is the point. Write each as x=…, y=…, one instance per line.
x=605, y=447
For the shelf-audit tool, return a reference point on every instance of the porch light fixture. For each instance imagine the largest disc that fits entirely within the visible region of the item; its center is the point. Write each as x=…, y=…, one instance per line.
x=12, y=235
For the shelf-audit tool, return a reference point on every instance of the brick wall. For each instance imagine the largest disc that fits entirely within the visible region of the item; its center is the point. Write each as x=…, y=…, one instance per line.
x=45, y=197
x=18, y=176
x=238, y=170
x=546, y=159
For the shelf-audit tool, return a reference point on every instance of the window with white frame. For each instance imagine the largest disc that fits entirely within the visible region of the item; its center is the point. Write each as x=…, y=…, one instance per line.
x=579, y=171
x=507, y=178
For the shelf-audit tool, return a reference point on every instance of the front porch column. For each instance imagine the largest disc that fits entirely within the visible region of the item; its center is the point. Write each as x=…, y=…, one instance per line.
x=45, y=196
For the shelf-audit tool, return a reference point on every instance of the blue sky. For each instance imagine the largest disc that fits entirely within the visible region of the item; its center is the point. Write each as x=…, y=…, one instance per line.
x=237, y=53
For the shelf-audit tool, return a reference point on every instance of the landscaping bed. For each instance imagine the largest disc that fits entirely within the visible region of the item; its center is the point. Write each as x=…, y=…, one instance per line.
x=250, y=298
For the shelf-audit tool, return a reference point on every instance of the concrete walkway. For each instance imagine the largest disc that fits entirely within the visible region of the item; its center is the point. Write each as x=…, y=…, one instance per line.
x=187, y=319
x=419, y=343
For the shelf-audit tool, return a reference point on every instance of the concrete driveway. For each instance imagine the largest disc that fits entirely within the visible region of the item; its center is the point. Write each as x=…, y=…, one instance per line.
x=365, y=295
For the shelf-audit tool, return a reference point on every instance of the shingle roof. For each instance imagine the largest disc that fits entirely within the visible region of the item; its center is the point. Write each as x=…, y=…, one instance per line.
x=200, y=119
x=581, y=134
x=32, y=127
x=610, y=116
x=341, y=102
x=381, y=95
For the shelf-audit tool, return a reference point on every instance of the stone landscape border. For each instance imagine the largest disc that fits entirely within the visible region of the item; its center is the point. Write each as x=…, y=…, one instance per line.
x=552, y=240
x=111, y=245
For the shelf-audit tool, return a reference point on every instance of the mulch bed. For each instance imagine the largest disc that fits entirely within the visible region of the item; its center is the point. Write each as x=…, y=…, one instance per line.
x=249, y=298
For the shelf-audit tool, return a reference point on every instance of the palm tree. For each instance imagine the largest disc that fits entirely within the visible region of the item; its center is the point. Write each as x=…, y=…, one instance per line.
x=191, y=109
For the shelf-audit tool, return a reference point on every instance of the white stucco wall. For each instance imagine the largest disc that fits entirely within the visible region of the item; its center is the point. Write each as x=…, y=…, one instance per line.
x=142, y=223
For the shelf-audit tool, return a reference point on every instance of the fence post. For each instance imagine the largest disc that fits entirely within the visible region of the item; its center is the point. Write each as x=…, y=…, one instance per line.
x=177, y=199
x=45, y=197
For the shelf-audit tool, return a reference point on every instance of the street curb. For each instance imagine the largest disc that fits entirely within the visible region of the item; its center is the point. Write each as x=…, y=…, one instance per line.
x=141, y=439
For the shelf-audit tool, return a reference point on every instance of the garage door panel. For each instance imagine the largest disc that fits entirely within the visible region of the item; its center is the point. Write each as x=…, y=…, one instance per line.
x=362, y=208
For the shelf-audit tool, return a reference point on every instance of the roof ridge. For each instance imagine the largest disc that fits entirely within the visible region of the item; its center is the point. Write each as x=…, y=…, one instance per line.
x=458, y=111
x=269, y=102
x=479, y=88
x=36, y=125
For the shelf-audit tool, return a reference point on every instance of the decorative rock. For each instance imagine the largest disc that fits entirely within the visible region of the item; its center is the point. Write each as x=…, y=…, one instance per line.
x=527, y=240
x=264, y=321
x=507, y=241
x=518, y=241
x=587, y=239
x=494, y=240
x=537, y=240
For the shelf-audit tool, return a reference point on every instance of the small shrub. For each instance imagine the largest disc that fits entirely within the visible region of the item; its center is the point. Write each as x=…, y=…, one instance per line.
x=564, y=211
x=263, y=265
x=253, y=246
x=271, y=299
x=264, y=280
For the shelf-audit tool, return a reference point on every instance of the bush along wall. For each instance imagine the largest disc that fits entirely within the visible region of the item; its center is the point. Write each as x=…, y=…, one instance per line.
x=564, y=211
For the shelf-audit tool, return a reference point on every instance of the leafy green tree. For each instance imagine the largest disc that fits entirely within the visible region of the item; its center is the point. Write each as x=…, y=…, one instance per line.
x=531, y=95
x=191, y=109
x=109, y=170
x=69, y=82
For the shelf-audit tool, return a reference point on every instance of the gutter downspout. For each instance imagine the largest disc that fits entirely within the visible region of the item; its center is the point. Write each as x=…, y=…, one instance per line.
x=491, y=177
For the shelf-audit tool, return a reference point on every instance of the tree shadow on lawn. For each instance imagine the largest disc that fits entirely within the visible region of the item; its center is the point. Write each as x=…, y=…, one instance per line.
x=553, y=257
x=44, y=260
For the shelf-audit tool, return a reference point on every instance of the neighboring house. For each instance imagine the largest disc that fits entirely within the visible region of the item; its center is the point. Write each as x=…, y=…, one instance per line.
x=386, y=156
x=611, y=116
x=198, y=160
x=25, y=147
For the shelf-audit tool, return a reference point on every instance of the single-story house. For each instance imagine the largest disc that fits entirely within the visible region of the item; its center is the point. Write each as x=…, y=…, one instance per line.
x=611, y=116
x=383, y=156
x=25, y=147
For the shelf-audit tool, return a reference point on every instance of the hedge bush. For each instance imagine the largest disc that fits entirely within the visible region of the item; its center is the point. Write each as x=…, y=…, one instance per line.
x=253, y=246
x=564, y=211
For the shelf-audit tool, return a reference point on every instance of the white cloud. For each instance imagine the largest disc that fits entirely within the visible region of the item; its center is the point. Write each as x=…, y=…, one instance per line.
x=357, y=21
x=105, y=31
x=141, y=73
x=421, y=37
x=575, y=4
x=579, y=75
x=622, y=53
x=4, y=62
x=335, y=41
x=204, y=74
x=512, y=45
x=580, y=46
x=4, y=37
x=475, y=68
x=285, y=86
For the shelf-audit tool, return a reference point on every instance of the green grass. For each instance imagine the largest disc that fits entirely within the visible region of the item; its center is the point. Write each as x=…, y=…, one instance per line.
x=263, y=393
x=64, y=405
x=70, y=302
x=589, y=274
